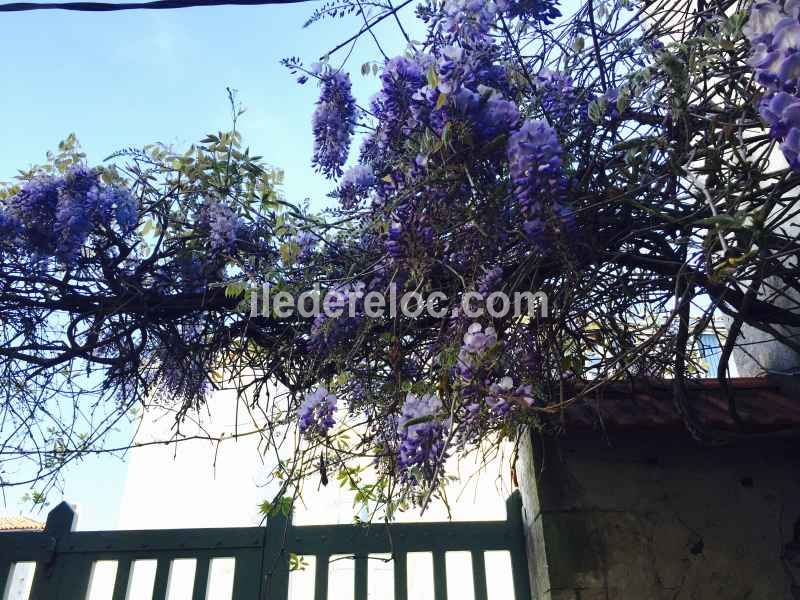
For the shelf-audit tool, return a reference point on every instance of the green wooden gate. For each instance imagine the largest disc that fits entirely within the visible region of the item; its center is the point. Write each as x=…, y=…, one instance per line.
x=65, y=558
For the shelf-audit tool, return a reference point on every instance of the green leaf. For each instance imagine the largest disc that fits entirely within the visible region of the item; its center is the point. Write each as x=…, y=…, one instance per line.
x=289, y=252
x=624, y=100
x=722, y=221
x=234, y=289
x=433, y=77
x=594, y=111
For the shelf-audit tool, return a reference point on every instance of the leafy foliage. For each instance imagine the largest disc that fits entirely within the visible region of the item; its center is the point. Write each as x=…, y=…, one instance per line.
x=613, y=158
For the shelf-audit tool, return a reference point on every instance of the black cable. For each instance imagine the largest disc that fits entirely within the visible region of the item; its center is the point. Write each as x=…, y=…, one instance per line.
x=154, y=5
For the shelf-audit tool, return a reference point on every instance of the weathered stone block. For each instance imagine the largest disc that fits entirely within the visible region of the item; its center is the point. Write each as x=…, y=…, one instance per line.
x=563, y=595
x=657, y=518
x=593, y=595
x=575, y=550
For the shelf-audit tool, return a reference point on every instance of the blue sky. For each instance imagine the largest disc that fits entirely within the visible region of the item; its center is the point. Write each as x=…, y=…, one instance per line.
x=132, y=78
x=128, y=79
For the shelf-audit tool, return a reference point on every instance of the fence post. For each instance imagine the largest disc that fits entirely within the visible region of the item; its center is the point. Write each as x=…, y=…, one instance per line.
x=61, y=520
x=48, y=581
x=276, y=557
x=519, y=559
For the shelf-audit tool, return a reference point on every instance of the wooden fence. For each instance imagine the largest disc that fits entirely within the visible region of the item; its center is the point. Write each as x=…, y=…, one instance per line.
x=66, y=559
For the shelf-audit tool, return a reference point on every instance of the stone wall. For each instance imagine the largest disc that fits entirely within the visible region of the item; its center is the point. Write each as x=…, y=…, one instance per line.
x=655, y=517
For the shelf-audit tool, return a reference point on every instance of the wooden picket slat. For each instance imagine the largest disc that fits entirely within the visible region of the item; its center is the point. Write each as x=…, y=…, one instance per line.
x=200, y=585
x=162, y=579
x=122, y=579
x=400, y=577
x=479, y=575
x=5, y=577
x=361, y=577
x=439, y=576
x=321, y=577
x=247, y=575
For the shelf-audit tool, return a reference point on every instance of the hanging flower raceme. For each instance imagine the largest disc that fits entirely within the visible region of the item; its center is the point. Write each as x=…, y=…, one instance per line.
x=477, y=341
x=774, y=33
x=184, y=378
x=455, y=68
x=488, y=114
x=356, y=182
x=505, y=399
x=534, y=156
x=224, y=225
x=489, y=281
x=560, y=101
x=333, y=123
x=126, y=208
x=409, y=235
x=401, y=78
x=469, y=20
x=35, y=207
x=542, y=11
x=316, y=414
x=84, y=205
x=342, y=313
x=306, y=242
x=422, y=430
x=54, y=216
x=10, y=227
x=186, y=273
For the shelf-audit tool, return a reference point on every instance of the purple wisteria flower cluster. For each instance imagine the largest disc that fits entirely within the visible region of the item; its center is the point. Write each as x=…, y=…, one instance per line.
x=306, y=242
x=504, y=397
x=186, y=273
x=456, y=170
x=346, y=301
x=477, y=342
x=333, y=123
x=422, y=428
x=472, y=20
x=409, y=235
x=542, y=11
x=356, y=182
x=224, y=226
x=469, y=20
x=400, y=79
x=774, y=32
x=458, y=87
x=479, y=376
x=55, y=215
x=316, y=414
x=534, y=158
x=183, y=376
x=486, y=284
x=10, y=227
x=559, y=99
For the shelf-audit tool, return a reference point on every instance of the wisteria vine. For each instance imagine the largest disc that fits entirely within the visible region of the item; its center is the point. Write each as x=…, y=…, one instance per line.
x=617, y=158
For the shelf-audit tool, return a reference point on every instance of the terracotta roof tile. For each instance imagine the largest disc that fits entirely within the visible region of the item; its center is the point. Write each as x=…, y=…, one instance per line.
x=18, y=523
x=765, y=404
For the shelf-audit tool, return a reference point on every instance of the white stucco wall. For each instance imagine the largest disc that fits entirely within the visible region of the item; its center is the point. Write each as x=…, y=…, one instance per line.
x=204, y=484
